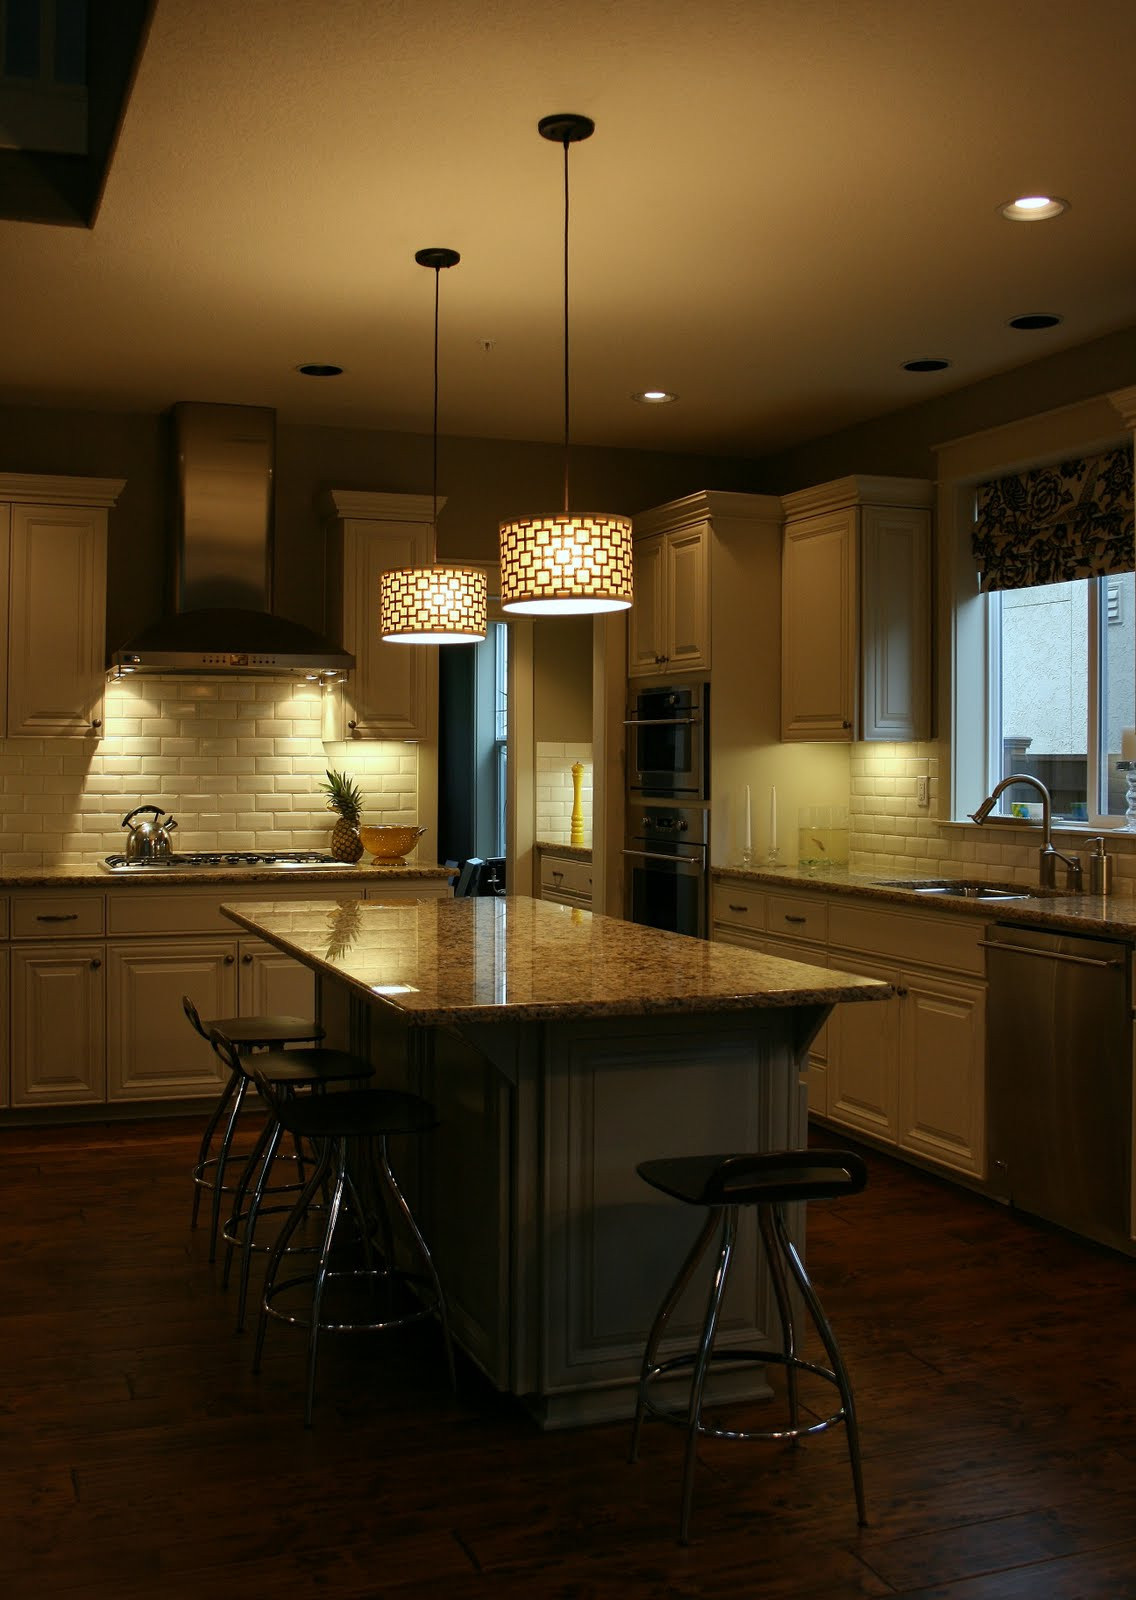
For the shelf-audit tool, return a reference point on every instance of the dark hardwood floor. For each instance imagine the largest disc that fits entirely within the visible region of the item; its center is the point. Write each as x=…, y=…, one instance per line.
x=994, y=1362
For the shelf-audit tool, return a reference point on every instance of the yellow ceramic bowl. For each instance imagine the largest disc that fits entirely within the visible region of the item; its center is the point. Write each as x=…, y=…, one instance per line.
x=389, y=843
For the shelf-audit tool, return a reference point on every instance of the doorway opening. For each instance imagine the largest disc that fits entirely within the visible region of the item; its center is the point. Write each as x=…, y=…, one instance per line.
x=473, y=730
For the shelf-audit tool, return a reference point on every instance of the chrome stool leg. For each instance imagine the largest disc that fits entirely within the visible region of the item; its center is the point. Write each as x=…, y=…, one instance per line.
x=423, y=1252
x=662, y=1317
x=839, y=1371
x=702, y=1363
x=200, y=1181
x=773, y=1255
x=222, y=1165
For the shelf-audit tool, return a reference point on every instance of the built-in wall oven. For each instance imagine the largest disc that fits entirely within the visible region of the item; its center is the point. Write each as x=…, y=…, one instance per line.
x=668, y=742
x=666, y=866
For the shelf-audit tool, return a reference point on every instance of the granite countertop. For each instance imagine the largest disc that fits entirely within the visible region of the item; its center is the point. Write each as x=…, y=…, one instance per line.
x=1110, y=915
x=514, y=959
x=95, y=877
x=574, y=852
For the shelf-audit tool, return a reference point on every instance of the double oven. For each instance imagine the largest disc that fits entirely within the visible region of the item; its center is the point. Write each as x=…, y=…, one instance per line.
x=666, y=847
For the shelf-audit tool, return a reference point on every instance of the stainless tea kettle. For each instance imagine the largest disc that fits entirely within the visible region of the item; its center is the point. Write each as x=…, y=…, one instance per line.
x=148, y=840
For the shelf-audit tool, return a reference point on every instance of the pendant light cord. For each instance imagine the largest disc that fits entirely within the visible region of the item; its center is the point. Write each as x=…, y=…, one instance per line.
x=566, y=390
x=434, y=516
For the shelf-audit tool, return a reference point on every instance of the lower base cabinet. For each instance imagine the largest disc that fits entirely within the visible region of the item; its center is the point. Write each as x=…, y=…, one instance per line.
x=908, y=1073
x=153, y=1052
x=58, y=1012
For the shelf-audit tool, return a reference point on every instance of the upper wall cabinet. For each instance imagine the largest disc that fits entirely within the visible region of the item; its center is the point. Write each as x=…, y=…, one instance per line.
x=393, y=691
x=856, y=610
x=670, y=619
x=53, y=596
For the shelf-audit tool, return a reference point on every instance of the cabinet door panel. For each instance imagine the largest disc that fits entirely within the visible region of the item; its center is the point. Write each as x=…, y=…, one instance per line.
x=895, y=615
x=273, y=984
x=818, y=627
x=58, y=1034
x=941, y=1072
x=389, y=692
x=153, y=1052
x=5, y=1075
x=863, y=1064
x=57, y=611
x=688, y=633
x=647, y=645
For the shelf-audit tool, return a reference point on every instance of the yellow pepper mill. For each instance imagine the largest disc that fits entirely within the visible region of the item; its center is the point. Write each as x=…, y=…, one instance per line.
x=576, y=834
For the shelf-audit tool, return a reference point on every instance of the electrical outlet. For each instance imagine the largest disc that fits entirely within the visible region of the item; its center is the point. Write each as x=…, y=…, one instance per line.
x=923, y=791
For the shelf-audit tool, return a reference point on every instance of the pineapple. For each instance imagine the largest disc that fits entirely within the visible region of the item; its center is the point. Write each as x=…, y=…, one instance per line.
x=346, y=799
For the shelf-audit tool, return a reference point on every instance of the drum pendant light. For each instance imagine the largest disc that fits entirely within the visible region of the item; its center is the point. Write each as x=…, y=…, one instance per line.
x=435, y=604
x=566, y=562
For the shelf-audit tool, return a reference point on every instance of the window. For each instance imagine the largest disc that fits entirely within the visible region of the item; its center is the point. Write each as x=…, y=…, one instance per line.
x=1062, y=687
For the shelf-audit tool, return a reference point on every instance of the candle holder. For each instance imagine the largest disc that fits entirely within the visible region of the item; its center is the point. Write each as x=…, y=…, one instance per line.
x=773, y=856
x=748, y=858
x=1129, y=770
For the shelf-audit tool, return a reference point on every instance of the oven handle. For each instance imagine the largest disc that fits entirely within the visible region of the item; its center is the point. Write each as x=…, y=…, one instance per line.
x=659, y=722
x=660, y=855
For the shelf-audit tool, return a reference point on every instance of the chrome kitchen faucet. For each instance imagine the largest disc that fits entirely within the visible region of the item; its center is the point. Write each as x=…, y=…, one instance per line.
x=1047, y=856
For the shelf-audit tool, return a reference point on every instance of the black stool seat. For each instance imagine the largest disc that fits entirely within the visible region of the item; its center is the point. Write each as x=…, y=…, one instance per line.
x=723, y=1184
x=350, y=1131
x=304, y=1065
x=252, y=1033
x=358, y=1113
x=750, y=1180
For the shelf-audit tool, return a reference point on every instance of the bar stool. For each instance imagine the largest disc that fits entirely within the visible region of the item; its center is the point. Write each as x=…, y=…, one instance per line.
x=246, y=1033
x=286, y=1070
x=351, y=1132
x=724, y=1184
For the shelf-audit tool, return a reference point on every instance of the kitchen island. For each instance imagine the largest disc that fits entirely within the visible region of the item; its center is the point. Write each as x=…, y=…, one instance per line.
x=561, y=1048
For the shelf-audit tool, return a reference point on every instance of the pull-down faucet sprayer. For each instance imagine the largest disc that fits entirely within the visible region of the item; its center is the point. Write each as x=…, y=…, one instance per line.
x=1047, y=856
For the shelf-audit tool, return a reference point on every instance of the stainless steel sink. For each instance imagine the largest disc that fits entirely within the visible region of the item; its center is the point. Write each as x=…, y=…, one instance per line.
x=960, y=888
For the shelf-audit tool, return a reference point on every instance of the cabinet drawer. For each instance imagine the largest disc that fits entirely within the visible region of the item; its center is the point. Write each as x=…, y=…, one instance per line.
x=57, y=916
x=797, y=916
x=939, y=941
x=563, y=875
x=738, y=907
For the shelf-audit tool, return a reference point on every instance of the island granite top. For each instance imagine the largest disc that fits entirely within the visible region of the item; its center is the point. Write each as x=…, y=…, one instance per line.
x=514, y=959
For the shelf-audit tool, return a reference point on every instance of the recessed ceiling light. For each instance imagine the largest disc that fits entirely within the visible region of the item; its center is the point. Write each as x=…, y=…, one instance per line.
x=926, y=364
x=1035, y=319
x=1033, y=208
x=319, y=369
x=654, y=397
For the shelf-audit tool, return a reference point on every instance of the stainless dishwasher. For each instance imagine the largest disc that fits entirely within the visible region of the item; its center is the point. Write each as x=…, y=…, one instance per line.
x=1059, y=1078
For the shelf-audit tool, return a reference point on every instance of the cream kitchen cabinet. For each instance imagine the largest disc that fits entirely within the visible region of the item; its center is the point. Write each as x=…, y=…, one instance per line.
x=565, y=879
x=269, y=983
x=910, y=1072
x=856, y=611
x=757, y=921
x=670, y=621
x=392, y=692
x=53, y=557
x=5, y=1029
x=58, y=1007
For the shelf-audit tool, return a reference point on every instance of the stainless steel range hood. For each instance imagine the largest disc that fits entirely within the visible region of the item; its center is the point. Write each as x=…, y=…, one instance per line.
x=222, y=619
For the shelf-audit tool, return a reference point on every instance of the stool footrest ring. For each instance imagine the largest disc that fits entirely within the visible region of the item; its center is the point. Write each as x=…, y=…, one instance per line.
x=705, y=1430
x=403, y=1319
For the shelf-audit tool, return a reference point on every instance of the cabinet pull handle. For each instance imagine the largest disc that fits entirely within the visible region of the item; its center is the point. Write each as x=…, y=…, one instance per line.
x=57, y=916
x=95, y=963
x=733, y=907
x=230, y=961
x=788, y=918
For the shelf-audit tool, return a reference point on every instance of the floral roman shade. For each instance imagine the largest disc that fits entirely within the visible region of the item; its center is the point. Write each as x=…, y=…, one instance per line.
x=1073, y=520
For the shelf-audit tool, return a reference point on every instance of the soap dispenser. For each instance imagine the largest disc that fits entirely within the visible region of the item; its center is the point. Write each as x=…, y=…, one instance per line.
x=1100, y=867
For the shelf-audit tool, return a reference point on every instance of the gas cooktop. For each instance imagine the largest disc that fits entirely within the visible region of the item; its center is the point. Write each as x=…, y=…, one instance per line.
x=282, y=859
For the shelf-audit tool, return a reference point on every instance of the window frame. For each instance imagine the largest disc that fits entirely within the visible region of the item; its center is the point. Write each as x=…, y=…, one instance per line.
x=964, y=643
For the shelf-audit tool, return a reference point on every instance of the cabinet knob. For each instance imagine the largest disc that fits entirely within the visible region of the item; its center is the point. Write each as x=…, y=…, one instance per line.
x=230, y=961
x=96, y=723
x=353, y=726
x=95, y=963
x=845, y=724
x=247, y=960
x=901, y=991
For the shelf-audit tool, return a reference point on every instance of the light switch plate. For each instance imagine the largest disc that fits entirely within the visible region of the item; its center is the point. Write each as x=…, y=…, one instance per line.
x=923, y=791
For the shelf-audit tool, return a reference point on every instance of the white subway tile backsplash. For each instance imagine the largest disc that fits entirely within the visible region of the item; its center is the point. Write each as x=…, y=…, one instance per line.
x=200, y=750
x=555, y=793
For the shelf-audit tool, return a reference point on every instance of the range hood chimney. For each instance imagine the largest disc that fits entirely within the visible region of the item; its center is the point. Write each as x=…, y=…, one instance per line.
x=222, y=621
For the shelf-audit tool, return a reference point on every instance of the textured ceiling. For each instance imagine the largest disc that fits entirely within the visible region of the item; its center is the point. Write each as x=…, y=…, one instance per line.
x=783, y=201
